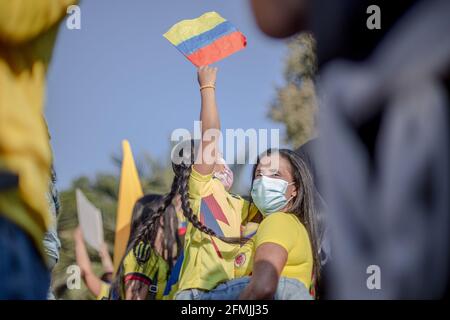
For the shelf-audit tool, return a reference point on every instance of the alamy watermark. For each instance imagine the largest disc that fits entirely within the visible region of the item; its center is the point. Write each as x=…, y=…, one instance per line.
x=374, y=20
x=73, y=281
x=73, y=21
x=374, y=280
x=240, y=146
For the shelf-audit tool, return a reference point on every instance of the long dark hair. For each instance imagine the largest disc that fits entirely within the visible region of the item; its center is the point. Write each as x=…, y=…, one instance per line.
x=303, y=204
x=144, y=212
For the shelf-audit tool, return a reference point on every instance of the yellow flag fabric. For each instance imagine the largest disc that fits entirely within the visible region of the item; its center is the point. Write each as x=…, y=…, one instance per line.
x=130, y=190
x=189, y=28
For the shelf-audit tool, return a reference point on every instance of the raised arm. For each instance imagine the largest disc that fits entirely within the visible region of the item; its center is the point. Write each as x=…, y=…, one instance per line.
x=210, y=122
x=93, y=283
x=107, y=263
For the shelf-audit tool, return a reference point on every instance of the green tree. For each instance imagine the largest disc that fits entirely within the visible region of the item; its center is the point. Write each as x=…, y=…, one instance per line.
x=296, y=103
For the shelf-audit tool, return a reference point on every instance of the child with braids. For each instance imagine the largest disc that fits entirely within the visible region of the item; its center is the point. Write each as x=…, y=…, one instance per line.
x=151, y=266
x=215, y=217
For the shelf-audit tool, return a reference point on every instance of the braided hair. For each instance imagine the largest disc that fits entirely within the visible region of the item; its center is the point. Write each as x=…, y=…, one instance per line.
x=182, y=173
x=148, y=229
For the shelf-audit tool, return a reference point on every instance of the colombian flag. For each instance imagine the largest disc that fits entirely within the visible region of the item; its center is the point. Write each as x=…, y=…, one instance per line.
x=207, y=39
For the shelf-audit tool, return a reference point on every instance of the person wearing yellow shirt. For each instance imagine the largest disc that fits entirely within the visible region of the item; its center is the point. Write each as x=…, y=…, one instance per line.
x=136, y=286
x=282, y=185
x=148, y=271
x=27, y=35
x=215, y=216
x=284, y=255
x=286, y=245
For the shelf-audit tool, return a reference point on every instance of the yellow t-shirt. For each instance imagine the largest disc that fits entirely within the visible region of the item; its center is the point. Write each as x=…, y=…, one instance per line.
x=209, y=261
x=287, y=231
x=27, y=35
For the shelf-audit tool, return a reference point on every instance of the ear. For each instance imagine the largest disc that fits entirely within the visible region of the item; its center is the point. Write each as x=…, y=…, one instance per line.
x=294, y=191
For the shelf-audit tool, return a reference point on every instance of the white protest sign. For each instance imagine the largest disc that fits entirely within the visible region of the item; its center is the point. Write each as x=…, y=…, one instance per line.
x=90, y=220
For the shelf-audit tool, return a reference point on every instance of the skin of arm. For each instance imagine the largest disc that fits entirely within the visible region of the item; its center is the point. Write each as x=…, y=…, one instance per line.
x=90, y=279
x=270, y=259
x=280, y=18
x=209, y=118
x=106, y=259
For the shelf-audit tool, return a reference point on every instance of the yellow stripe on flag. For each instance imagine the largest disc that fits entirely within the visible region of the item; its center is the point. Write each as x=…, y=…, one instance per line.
x=130, y=190
x=189, y=28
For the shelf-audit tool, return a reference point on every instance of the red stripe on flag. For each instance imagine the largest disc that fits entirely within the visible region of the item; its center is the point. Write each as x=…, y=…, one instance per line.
x=182, y=231
x=219, y=49
x=216, y=210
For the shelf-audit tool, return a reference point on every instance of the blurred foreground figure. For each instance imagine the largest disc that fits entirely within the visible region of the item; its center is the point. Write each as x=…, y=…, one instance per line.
x=383, y=145
x=52, y=244
x=27, y=35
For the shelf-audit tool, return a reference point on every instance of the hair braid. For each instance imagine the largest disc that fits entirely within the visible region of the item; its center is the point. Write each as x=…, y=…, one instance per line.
x=189, y=214
x=149, y=229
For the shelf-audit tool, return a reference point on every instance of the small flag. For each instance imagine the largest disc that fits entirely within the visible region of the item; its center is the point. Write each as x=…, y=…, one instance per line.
x=130, y=190
x=90, y=220
x=182, y=228
x=207, y=39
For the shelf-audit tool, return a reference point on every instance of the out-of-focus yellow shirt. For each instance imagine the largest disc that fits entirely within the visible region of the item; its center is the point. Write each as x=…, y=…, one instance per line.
x=27, y=35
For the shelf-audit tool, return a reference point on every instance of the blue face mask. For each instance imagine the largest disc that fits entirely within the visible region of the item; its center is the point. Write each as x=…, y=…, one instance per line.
x=268, y=194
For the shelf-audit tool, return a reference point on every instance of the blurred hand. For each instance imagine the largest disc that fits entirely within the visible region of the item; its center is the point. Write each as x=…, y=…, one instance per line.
x=206, y=75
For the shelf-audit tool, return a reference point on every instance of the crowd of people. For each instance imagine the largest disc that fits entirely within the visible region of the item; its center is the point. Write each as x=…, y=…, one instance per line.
x=349, y=190
x=200, y=241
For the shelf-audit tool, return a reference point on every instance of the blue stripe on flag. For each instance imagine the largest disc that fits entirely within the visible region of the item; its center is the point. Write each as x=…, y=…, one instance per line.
x=191, y=45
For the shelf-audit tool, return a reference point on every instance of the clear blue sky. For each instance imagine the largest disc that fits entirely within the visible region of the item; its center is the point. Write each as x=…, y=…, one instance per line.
x=118, y=78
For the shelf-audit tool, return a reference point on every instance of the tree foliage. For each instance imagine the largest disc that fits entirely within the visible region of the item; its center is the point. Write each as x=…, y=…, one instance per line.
x=296, y=103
